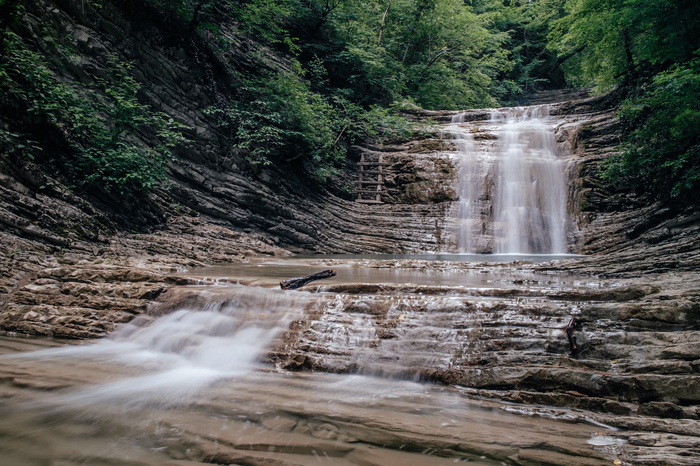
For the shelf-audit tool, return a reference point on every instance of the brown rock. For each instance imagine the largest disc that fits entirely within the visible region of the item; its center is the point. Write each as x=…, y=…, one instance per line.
x=661, y=409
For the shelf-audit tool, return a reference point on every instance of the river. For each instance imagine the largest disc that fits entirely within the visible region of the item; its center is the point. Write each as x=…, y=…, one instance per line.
x=197, y=385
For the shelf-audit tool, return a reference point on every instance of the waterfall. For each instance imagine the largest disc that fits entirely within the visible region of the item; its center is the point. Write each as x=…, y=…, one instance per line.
x=511, y=184
x=470, y=187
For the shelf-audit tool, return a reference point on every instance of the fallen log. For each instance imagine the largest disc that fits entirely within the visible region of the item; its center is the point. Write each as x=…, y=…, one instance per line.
x=294, y=283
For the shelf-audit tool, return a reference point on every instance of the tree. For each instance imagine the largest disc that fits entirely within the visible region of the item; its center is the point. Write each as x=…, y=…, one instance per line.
x=436, y=52
x=648, y=49
x=616, y=38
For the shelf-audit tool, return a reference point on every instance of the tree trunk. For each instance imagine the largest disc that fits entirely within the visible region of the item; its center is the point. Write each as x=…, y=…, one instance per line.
x=381, y=28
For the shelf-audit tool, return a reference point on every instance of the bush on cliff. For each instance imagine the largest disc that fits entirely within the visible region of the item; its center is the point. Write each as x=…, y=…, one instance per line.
x=649, y=51
x=95, y=121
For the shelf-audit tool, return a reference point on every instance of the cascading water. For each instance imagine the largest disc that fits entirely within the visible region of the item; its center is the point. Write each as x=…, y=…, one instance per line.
x=470, y=186
x=530, y=197
x=511, y=184
x=192, y=387
x=223, y=335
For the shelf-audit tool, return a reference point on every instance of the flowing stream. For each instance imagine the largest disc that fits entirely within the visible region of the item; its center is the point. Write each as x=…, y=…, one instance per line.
x=196, y=386
x=512, y=191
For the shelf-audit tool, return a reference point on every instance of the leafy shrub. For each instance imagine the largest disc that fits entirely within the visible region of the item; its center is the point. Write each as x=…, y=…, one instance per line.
x=97, y=121
x=662, y=152
x=278, y=119
x=281, y=119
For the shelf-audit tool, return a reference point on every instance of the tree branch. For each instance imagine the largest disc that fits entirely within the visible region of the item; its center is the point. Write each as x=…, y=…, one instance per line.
x=561, y=60
x=381, y=28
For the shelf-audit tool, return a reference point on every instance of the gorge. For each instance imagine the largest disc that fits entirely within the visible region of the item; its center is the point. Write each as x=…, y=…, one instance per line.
x=154, y=333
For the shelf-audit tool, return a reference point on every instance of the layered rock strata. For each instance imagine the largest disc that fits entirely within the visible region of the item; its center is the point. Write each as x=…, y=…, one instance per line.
x=635, y=365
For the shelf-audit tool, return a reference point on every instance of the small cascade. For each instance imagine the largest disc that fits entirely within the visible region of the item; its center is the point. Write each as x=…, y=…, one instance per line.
x=224, y=333
x=511, y=184
x=234, y=320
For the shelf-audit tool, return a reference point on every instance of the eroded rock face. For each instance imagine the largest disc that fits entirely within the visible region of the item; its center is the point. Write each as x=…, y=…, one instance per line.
x=276, y=202
x=508, y=339
x=73, y=266
x=636, y=363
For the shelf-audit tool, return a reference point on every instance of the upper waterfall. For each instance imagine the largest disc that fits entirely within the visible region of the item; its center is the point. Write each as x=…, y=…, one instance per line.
x=512, y=193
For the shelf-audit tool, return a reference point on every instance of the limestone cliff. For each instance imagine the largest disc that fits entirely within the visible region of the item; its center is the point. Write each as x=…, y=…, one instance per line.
x=181, y=78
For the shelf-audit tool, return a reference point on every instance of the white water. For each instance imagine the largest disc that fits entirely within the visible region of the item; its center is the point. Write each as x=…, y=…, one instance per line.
x=224, y=335
x=512, y=190
x=471, y=185
x=187, y=384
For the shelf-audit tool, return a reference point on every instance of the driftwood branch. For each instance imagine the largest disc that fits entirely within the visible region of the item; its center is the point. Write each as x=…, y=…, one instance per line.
x=294, y=283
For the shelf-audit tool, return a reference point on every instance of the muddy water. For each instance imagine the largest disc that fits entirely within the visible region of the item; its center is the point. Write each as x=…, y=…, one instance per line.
x=383, y=268
x=189, y=387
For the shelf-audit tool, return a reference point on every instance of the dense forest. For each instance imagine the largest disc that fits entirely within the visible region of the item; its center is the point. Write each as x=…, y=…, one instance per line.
x=307, y=78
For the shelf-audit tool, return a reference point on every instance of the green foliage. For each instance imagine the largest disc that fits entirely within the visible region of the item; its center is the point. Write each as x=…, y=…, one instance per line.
x=617, y=37
x=435, y=51
x=662, y=152
x=647, y=48
x=533, y=65
x=376, y=124
x=261, y=19
x=97, y=121
x=282, y=118
x=17, y=145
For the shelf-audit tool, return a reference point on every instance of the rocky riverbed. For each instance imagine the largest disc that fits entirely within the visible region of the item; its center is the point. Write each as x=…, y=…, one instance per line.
x=93, y=403
x=80, y=266
x=498, y=338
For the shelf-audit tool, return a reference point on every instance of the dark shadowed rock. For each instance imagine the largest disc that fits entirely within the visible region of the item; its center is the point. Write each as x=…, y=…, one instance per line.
x=661, y=409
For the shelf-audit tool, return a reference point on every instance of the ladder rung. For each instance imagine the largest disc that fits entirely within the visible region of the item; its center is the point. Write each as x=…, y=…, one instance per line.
x=376, y=172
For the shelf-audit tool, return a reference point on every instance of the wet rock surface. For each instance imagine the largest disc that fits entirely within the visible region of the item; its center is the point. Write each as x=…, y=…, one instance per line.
x=270, y=418
x=76, y=266
x=636, y=365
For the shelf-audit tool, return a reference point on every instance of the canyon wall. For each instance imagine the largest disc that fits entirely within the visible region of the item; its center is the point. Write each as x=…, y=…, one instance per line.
x=214, y=210
x=277, y=204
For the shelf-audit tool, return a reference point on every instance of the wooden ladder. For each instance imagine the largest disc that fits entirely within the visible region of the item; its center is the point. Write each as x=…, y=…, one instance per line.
x=374, y=187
